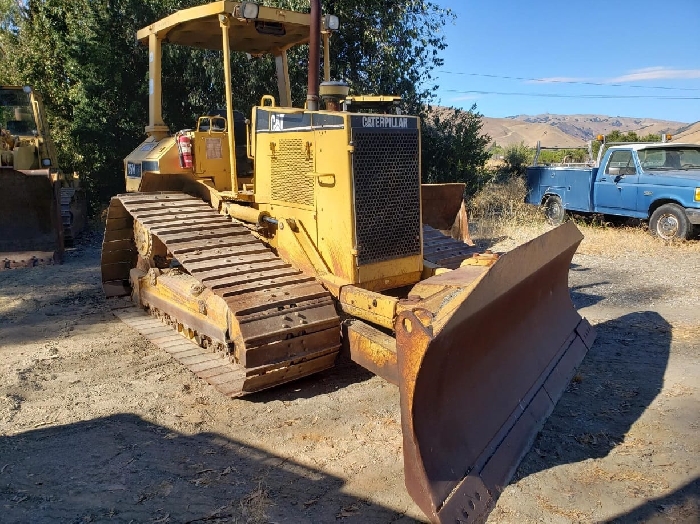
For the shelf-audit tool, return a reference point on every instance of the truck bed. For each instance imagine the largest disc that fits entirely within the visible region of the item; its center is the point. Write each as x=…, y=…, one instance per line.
x=574, y=185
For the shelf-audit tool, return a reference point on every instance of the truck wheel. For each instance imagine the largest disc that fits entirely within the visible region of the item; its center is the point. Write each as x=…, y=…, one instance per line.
x=553, y=209
x=669, y=222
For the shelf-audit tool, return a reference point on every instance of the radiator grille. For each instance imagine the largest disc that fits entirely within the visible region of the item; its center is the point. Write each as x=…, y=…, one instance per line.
x=387, y=194
x=290, y=165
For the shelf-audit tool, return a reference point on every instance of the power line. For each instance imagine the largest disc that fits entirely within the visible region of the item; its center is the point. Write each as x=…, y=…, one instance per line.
x=556, y=95
x=575, y=82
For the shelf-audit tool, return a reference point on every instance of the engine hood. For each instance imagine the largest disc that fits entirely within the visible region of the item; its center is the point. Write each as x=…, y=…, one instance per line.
x=677, y=177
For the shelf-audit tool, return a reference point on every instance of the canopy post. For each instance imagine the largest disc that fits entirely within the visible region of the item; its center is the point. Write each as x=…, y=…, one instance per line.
x=225, y=22
x=156, y=127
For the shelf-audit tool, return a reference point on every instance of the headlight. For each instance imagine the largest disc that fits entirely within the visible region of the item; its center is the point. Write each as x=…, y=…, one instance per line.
x=330, y=23
x=697, y=194
x=249, y=10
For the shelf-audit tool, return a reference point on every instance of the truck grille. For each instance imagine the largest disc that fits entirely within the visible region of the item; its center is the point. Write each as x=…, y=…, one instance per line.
x=386, y=177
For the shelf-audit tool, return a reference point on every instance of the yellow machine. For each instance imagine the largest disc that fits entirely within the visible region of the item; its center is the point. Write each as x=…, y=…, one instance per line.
x=272, y=242
x=41, y=209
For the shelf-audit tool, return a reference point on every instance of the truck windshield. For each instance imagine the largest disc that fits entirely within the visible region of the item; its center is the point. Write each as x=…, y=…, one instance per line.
x=667, y=158
x=16, y=114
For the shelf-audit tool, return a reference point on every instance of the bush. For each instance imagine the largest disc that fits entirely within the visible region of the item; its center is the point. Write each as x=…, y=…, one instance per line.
x=499, y=208
x=505, y=199
x=516, y=158
x=453, y=148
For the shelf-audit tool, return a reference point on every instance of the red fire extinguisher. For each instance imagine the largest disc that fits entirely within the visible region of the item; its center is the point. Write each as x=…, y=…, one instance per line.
x=184, y=146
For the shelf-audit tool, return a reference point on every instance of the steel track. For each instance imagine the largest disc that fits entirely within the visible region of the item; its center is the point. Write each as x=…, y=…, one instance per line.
x=283, y=324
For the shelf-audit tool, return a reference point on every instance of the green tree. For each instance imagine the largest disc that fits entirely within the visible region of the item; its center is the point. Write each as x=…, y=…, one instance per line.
x=629, y=136
x=81, y=56
x=552, y=156
x=381, y=48
x=516, y=158
x=454, y=150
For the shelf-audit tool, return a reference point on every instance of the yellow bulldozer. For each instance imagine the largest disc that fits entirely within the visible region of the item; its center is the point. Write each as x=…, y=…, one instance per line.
x=41, y=209
x=261, y=246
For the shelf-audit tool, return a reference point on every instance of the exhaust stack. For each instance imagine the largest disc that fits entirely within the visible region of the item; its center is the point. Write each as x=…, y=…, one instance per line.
x=314, y=56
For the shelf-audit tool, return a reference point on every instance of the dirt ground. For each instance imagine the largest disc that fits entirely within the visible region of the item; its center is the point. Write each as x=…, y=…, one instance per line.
x=98, y=425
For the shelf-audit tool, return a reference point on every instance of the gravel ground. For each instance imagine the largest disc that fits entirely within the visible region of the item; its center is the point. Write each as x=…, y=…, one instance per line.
x=98, y=425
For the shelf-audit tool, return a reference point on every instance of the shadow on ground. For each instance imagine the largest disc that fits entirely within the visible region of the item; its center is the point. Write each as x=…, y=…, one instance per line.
x=122, y=468
x=619, y=378
x=683, y=505
x=582, y=297
x=344, y=373
x=616, y=382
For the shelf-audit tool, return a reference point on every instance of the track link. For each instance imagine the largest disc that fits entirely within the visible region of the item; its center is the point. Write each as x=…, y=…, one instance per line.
x=19, y=259
x=281, y=324
x=73, y=211
x=445, y=251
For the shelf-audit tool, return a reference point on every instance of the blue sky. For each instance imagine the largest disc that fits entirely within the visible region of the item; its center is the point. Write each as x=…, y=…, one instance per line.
x=557, y=49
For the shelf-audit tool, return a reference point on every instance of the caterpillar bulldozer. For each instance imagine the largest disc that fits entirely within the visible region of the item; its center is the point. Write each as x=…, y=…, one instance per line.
x=41, y=209
x=254, y=249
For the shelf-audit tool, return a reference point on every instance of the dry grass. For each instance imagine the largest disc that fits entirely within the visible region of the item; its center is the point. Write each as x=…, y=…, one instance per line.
x=499, y=210
x=679, y=390
x=685, y=333
x=622, y=241
x=637, y=484
x=500, y=218
x=634, y=446
x=255, y=505
x=571, y=514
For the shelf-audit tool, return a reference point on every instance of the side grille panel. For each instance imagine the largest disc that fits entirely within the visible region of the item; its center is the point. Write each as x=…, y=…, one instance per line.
x=289, y=168
x=387, y=194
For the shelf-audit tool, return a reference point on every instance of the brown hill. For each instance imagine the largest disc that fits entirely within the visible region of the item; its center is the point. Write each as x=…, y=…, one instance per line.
x=573, y=130
x=505, y=132
x=570, y=130
x=690, y=134
x=587, y=127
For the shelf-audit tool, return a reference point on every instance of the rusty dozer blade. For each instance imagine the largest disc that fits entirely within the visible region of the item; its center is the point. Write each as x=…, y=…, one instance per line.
x=30, y=219
x=443, y=209
x=484, y=353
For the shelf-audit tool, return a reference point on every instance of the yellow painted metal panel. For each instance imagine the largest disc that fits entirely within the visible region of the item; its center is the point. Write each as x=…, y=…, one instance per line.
x=390, y=273
x=211, y=158
x=334, y=202
x=199, y=27
x=369, y=305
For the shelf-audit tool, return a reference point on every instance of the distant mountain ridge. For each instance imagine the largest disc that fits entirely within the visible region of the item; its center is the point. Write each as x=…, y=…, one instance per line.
x=690, y=134
x=575, y=130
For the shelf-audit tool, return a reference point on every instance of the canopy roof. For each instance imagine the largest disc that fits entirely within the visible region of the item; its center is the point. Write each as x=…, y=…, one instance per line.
x=199, y=27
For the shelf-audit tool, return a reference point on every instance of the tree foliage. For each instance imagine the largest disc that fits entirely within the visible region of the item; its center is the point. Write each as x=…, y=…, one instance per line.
x=454, y=150
x=629, y=136
x=10, y=13
x=563, y=156
x=516, y=158
x=82, y=56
